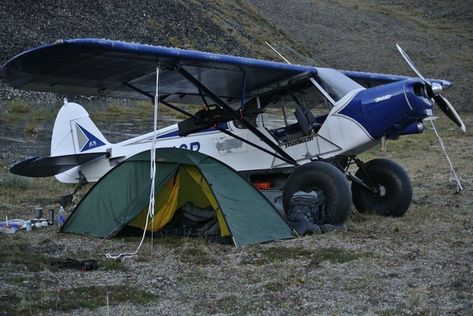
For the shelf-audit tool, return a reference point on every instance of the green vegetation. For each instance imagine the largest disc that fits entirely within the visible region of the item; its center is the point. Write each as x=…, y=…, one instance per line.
x=112, y=265
x=140, y=110
x=26, y=256
x=274, y=255
x=20, y=254
x=337, y=256
x=31, y=128
x=228, y=304
x=253, y=35
x=19, y=106
x=357, y=284
x=11, y=182
x=16, y=190
x=73, y=298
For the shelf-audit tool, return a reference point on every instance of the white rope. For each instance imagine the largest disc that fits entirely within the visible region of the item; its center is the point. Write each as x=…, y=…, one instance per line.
x=453, y=175
x=150, y=214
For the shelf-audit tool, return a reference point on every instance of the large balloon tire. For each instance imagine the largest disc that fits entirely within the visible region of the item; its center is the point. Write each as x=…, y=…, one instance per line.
x=394, y=183
x=327, y=179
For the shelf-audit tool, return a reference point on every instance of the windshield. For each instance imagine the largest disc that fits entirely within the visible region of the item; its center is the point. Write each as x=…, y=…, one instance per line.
x=335, y=83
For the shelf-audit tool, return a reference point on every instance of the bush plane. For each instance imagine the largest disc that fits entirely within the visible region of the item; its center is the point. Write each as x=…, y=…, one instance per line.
x=327, y=117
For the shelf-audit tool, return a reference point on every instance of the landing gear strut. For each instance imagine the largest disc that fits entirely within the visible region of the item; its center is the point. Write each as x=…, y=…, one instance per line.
x=381, y=186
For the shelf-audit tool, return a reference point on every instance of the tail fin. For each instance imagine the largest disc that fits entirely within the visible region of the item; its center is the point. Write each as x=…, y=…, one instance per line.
x=75, y=133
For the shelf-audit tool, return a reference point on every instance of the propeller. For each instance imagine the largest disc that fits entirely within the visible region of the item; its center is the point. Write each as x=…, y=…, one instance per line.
x=433, y=90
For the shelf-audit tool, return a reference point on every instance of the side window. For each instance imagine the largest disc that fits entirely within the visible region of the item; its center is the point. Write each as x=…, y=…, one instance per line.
x=281, y=111
x=251, y=113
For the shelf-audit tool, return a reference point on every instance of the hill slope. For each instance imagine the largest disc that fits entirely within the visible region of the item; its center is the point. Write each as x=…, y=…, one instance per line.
x=226, y=27
x=357, y=35
x=361, y=35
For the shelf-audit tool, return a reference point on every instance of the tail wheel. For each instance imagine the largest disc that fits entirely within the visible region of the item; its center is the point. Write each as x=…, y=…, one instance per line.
x=392, y=183
x=327, y=180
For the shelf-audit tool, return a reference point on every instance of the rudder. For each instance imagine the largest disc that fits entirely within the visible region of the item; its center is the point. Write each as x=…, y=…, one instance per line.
x=75, y=133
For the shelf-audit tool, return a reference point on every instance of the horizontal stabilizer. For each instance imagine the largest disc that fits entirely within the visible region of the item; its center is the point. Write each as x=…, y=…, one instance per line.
x=50, y=166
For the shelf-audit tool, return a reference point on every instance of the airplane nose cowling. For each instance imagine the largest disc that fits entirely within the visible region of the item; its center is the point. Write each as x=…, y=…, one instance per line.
x=418, y=99
x=390, y=110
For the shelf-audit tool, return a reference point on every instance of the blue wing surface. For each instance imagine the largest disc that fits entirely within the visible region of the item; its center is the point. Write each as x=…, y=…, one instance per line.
x=100, y=67
x=105, y=68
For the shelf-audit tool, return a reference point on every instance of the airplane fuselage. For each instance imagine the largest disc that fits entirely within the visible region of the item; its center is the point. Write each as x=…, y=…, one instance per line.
x=356, y=123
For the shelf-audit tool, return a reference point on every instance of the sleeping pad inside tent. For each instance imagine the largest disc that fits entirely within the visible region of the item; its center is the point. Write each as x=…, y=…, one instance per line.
x=186, y=182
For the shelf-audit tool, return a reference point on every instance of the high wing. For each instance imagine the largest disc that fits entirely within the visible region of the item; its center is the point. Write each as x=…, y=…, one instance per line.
x=109, y=68
x=371, y=79
x=127, y=70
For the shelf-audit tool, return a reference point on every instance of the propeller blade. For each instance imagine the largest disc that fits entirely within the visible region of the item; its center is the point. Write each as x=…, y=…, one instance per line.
x=411, y=63
x=448, y=109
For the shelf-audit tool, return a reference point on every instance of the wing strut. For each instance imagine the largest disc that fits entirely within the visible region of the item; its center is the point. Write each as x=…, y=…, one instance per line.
x=161, y=99
x=227, y=108
x=170, y=105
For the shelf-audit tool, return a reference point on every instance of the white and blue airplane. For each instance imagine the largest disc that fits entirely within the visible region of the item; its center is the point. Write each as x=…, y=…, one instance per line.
x=328, y=117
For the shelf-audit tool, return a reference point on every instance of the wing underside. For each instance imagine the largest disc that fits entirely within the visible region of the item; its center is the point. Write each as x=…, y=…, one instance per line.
x=126, y=70
x=109, y=68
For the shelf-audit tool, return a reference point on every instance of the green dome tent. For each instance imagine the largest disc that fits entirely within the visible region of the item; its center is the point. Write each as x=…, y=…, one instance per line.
x=121, y=197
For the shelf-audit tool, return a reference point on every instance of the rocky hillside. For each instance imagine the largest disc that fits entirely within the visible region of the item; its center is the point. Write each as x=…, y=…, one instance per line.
x=361, y=35
x=225, y=26
x=228, y=27
x=355, y=34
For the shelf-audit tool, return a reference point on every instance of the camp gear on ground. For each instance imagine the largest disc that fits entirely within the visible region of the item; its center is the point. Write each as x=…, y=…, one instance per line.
x=38, y=212
x=61, y=216
x=51, y=217
x=121, y=197
x=305, y=212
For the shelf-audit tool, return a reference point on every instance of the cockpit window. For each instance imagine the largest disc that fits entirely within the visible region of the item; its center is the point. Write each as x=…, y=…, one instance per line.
x=335, y=83
x=302, y=106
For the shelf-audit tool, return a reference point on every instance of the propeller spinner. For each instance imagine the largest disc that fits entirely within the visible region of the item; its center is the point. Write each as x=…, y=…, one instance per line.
x=434, y=91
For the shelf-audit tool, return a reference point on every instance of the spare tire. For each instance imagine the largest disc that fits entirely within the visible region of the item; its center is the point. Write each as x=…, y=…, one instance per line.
x=326, y=179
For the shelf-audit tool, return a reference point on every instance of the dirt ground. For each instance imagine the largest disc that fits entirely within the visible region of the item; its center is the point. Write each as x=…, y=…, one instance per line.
x=421, y=263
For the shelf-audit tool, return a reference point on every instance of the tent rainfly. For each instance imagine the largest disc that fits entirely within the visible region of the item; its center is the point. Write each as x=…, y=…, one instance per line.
x=121, y=197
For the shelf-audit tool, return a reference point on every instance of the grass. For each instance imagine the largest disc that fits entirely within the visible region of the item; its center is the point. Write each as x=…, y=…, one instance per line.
x=228, y=304
x=11, y=182
x=20, y=253
x=19, y=106
x=18, y=190
x=357, y=284
x=20, y=112
x=376, y=258
x=31, y=128
x=66, y=300
x=112, y=265
x=336, y=256
x=26, y=255
x=140, y=110
x=415, y=16
x=253, y=36
x=275, y=255
x=195, y=252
